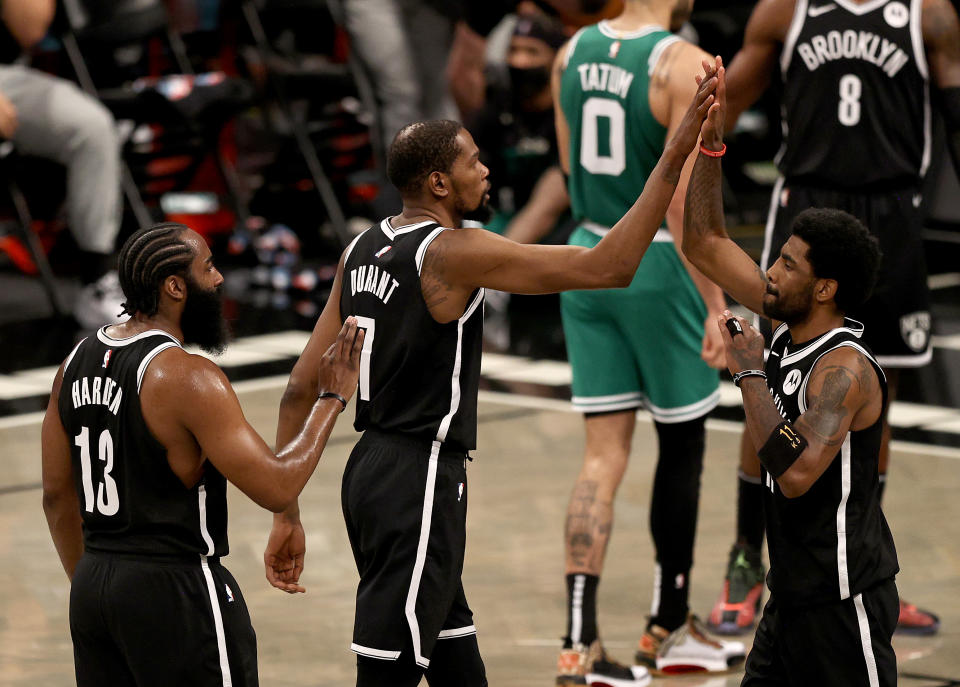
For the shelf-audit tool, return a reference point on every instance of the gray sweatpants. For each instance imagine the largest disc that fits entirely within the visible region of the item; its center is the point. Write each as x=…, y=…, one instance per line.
x=404, y=44
x=57, y=121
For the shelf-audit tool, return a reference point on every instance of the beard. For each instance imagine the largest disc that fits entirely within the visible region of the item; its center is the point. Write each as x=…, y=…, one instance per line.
x=791, y=310
x=202, y=320
x=482, y=213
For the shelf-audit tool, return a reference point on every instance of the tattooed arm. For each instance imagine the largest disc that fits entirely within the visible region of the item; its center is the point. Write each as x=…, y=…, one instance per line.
x=705, y=240
x=843, y=394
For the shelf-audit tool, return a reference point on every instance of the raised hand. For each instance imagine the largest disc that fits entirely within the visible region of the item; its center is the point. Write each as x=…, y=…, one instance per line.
x=711, y=132
x=687, y=133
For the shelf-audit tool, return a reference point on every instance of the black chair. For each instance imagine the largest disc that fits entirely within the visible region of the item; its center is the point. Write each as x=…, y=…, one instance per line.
x=20, y=227
x=296, y=72
x=176, y=117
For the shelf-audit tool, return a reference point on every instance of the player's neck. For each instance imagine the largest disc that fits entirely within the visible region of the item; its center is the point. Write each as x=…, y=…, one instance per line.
x=636, y=15
x=414, y=212
x=140, y=323
x=820, y=321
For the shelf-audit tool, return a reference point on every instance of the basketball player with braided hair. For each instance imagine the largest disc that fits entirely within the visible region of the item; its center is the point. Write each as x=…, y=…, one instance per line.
x=139, y=440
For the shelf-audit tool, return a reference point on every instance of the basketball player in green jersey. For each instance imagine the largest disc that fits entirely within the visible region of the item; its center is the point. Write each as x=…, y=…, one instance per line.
x=620, y=89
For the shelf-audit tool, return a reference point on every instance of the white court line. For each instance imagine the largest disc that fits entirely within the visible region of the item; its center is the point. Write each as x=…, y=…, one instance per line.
x=943, y=281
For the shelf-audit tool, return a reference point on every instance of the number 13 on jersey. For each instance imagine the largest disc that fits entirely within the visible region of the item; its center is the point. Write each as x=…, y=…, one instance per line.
x=369, y=325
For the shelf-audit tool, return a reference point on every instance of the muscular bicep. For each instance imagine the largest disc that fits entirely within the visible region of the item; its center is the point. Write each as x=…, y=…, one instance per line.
x=752, y=68
x=941, y=37
x=842, y=395
x=206, y=407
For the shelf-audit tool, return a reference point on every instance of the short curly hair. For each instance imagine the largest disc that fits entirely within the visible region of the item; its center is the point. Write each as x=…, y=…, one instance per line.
x=419, y=149
x=842, y=249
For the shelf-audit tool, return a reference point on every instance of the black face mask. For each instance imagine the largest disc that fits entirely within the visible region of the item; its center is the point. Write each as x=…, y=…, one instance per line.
x=202, y=320
x=526, y=84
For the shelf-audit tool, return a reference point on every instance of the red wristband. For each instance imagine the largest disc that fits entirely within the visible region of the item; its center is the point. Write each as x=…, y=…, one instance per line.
x=713, y=153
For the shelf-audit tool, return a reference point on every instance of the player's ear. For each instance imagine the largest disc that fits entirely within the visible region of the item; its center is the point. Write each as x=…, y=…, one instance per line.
x=175, y=287
x=826, y=290
x=438, y=184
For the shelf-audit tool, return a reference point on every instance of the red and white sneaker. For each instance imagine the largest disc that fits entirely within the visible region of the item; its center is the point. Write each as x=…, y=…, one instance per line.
x=688, y=649
x=916, y=621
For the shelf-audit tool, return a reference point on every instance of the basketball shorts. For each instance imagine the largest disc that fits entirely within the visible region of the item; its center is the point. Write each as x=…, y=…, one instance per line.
x=405, y=504
x=841, y=644
x=896, y=318
x=156, y=621
x=640, y=346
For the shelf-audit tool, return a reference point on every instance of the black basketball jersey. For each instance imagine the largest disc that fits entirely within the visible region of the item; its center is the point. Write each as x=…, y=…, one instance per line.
x=130, y=500
x=855, y=104
x=832, y=542
x=417, y=376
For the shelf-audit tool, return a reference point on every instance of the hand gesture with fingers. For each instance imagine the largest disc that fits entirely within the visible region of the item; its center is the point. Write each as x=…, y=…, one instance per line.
x=339, y=367
x=711, y=132
x=743, y=344
x=687, y=133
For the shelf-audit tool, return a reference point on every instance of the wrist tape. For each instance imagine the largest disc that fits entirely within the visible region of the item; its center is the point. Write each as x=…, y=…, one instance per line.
x=783, y=447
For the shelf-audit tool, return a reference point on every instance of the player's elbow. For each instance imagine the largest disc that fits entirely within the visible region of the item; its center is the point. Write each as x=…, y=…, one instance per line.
x=794, y=484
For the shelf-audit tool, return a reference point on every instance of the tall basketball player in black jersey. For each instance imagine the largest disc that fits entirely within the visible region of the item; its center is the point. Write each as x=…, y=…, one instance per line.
x=139, y=440
x=814, y=415
x=415, y=284
x=857, y=79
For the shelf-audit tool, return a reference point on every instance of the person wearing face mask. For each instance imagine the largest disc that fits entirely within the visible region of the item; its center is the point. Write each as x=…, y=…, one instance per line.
x=515, y=133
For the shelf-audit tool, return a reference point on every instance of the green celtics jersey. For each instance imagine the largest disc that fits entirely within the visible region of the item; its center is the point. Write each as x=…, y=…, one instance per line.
x=615, y=141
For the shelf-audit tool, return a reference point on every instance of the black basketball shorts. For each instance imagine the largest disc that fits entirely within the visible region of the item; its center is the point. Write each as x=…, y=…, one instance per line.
x=896, y=318
x=149, y=622
x=405, y=505
x=840, y=644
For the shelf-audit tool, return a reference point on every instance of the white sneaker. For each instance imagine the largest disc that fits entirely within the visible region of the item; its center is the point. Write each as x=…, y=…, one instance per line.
x=100, y=303
x=688, y=649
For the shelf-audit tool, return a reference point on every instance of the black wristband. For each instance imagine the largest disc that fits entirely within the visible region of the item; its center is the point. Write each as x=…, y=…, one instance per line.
x=331, y=394
x=783, y=447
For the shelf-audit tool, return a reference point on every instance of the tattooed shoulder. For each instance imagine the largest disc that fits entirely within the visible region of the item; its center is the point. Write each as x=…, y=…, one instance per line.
x=826, y=409
x=433, y=285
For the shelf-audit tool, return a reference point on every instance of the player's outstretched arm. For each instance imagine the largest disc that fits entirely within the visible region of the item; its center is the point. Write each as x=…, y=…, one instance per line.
x=941, y=37
x=705, y=240
x=60, y=503
x=203, y=404
x=465, y=259
x=842, y=393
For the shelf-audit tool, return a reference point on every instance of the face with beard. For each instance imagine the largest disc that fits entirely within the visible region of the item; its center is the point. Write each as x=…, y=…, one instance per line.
x=791, y=284
x=468, y=177
x=202, y=321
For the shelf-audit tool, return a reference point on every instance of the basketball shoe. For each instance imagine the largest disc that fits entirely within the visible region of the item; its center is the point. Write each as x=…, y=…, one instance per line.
x=736, y=610
x=688, y=649
x=100, y=303
x=590, y=665
x=916, y=621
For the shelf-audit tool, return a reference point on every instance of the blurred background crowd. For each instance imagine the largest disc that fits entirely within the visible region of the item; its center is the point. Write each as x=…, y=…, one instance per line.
x=263, y=124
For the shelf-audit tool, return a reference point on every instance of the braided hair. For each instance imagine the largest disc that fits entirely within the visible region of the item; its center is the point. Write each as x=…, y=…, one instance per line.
x=147, y=258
